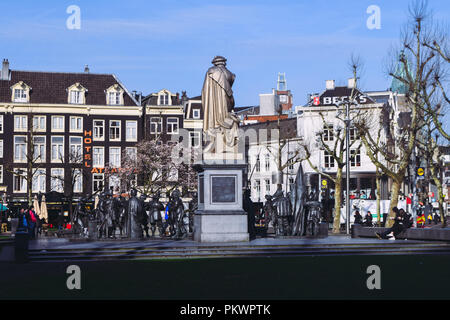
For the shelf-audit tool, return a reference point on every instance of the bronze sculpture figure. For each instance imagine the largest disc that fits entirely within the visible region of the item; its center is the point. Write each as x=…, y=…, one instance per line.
x=219, y=121
x=155, y=207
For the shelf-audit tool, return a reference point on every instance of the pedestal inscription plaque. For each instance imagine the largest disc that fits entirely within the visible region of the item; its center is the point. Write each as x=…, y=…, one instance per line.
x=223, y=189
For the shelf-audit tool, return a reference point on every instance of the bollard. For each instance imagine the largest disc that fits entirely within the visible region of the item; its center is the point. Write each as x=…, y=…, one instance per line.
x=21, y=246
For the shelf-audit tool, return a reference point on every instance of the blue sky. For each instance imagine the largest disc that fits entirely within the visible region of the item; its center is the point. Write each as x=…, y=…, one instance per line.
x=152, y=45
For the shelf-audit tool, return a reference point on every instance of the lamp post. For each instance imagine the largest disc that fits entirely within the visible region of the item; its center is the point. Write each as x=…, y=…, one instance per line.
x=347, y=121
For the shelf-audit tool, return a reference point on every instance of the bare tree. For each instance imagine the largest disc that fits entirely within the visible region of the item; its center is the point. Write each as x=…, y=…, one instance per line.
x=33, y=155
x=75, y=176
x=332, y=139
x=157, y=168
x=420, y=65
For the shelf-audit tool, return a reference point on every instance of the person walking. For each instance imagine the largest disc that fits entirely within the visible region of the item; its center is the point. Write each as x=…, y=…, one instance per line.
x=31, y=219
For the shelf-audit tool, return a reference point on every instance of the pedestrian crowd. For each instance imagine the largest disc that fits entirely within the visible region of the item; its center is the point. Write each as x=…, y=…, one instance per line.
x=30, y=222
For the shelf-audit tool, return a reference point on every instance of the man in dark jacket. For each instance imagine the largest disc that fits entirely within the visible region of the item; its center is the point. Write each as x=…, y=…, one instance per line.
x=396, y=229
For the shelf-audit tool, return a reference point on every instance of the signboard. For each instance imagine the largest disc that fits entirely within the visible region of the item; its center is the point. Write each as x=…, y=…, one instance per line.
x=334, y=100
x=420, y=173
x=87, y=148
x=324, y=183
x=316, y=101
x=334, y=96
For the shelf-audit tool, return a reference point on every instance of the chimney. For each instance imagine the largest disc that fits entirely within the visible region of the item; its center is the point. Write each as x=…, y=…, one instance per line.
x=86, y=69
x=351, y=83
x=184, y=96
x=329, y=84
x=5, y=70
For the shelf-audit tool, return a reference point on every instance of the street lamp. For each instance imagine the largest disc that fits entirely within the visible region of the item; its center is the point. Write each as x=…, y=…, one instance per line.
x=347, y=121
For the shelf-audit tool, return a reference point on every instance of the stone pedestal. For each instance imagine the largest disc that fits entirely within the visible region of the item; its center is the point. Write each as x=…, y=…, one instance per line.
x=220, y=216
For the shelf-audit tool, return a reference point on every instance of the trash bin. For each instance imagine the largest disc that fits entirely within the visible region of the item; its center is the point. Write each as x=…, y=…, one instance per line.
x=21, y=246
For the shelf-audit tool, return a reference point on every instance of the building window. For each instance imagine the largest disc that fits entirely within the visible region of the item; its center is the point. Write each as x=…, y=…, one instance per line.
x=114, y=98
x=291, y=160
x=267, y=162
x=267, y=185
x=20, y=95
x=196, y=113
x=114, y=130
x=39, y=149
x=97, y=182
x=194, y=139
x=76, y=124
x=58, y=123
x=352, y=133
x=131, y=131
x=329, y=160
x=114, y=157
x=114, y=183
x=1, y=123
x=164, y=99
x=57, y=180
x=75, y=149
x=98, y=158
x=172, y=125
x=39, y=123
x=328, y=132
x=76, y=97
x=20, y=123
x=38, y=183
x=257, y=164
x=19, y=182
x=77, y=181
x=355, y=158
x=291, y=183
x=131, y=153
x=57, y=149
x=258, y=187
x=1, y=173
x=99, y=130
x=132, y=181
x=20, y=148
x=1, y=148
x=155, y=125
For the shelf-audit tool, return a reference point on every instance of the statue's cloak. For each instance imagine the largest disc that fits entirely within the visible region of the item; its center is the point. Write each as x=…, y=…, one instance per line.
x=217, y=98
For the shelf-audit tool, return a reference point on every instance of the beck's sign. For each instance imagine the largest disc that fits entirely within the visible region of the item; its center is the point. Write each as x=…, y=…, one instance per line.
x=328, y=101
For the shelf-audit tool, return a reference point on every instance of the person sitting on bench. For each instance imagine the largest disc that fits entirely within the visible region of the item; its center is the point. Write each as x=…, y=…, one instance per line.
x=396, y=229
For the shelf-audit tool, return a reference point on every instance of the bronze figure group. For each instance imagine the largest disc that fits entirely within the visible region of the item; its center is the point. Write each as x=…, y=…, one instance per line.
x=133, y=217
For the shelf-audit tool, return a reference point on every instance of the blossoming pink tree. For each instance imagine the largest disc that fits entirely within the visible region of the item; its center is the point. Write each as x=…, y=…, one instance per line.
x=157, y=167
